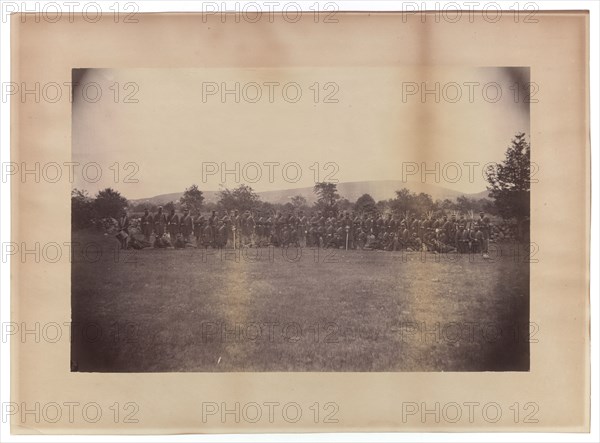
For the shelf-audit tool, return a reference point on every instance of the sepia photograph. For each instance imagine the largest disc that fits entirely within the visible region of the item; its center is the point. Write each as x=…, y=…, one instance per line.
x=296, y=219
x=343, y=220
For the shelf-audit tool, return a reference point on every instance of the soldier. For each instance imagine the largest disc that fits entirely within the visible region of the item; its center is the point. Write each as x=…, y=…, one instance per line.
x=377, y=226
x=123, y=234
x=208, y=236
x=146, y=221
x=477, y=240
x=320, y=236
x=369, y=224
x=285, y=236
x=267, y=228
x=339, y=237
x=302, y=229
x=310, y=237
x=227, y=222
x=260, y=230
x=462, y=222
x=386, y=240
x=329, y=232
x=222, y=234
x=213, y=222
x=465, y=240
x=485, y=228
x=415, y=243
x=160, y=223
x=186, y=225
x=294, y=236
x=362, y=238
x=199, y=225
x=450, y=230
x=414, y=226
x=405, y=238
x=173, y=226
x=348, y=231
x=249, y=228
x=236, y=225
x=371, y=242
x=387, y=223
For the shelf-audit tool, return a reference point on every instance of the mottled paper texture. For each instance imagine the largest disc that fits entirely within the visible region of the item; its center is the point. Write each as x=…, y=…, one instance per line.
x=551, y=394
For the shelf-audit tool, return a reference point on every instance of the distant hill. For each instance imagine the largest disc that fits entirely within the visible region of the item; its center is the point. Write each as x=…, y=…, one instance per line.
x=379, y=190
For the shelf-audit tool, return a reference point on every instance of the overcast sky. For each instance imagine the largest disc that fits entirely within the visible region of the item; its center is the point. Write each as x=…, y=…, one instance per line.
x=379, y=122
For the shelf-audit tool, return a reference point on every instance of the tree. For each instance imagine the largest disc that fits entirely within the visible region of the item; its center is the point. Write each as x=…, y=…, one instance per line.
x=423, y=203
x=364, y=204
x=82, y=209
x=404, y=201
x=344, y=204
x=447, y=205
x=465, y=204
x=192, y=199
x=299, y=202
x=109, y=203
x=243, y=198
x=383, y=205
x=509, y=182
x=327, y=197
x=169, y=206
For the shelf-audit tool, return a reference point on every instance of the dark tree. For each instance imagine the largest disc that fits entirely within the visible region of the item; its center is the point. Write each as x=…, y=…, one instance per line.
x=242, y=198
x=192, y=199
x=327, y=197
x=109, y=203
x=82, y=209
x=403, y=202
x=364, y=204
x=299, y=203
x=509, y=182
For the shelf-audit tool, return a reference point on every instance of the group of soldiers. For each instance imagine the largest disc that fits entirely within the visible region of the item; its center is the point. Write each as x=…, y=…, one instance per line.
x=371, y=231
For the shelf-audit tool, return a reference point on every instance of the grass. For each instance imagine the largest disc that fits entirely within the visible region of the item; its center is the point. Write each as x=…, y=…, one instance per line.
x=195, y=310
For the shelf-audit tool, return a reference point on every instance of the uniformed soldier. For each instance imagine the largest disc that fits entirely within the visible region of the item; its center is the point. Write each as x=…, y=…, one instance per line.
x=186, y=226
x=199, y=225
x=236, y=225
x=213, y=222
x=208, y=236
x=362, y=239
x=146, y=224
x=160, y=223
x=369, y=224
x=405, y=239
x=416, y=243
x=485, y=228
x=267, y=230
x=259, y=230
x=249, y=228
x=465, y=241
x=222, y=234
x=348, y=228
x=173, y=226
x=311, y=237
x=320, y=236
x=329, y=233
x=227, y=223
x=302, y=229
x=124, y=229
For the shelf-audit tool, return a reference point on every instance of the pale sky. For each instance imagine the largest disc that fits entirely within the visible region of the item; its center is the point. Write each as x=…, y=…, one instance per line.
x=369, y=133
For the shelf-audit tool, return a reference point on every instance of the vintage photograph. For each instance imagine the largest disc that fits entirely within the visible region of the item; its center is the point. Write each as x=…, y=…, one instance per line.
x=301, y=219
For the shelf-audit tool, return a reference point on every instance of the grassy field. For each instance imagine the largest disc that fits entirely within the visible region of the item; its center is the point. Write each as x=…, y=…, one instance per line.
x=196, y=310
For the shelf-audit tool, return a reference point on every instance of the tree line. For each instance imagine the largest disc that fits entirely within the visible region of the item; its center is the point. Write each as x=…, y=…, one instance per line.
x=508, y=186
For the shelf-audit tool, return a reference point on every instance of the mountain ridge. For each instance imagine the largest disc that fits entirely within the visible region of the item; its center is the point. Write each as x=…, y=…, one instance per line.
x=378, y=189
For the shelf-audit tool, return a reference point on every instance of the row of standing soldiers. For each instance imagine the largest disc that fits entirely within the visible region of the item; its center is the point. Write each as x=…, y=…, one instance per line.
x=346, y=230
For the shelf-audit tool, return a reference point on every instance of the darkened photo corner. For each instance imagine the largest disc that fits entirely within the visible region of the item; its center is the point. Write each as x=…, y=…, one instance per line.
x=301, y=219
